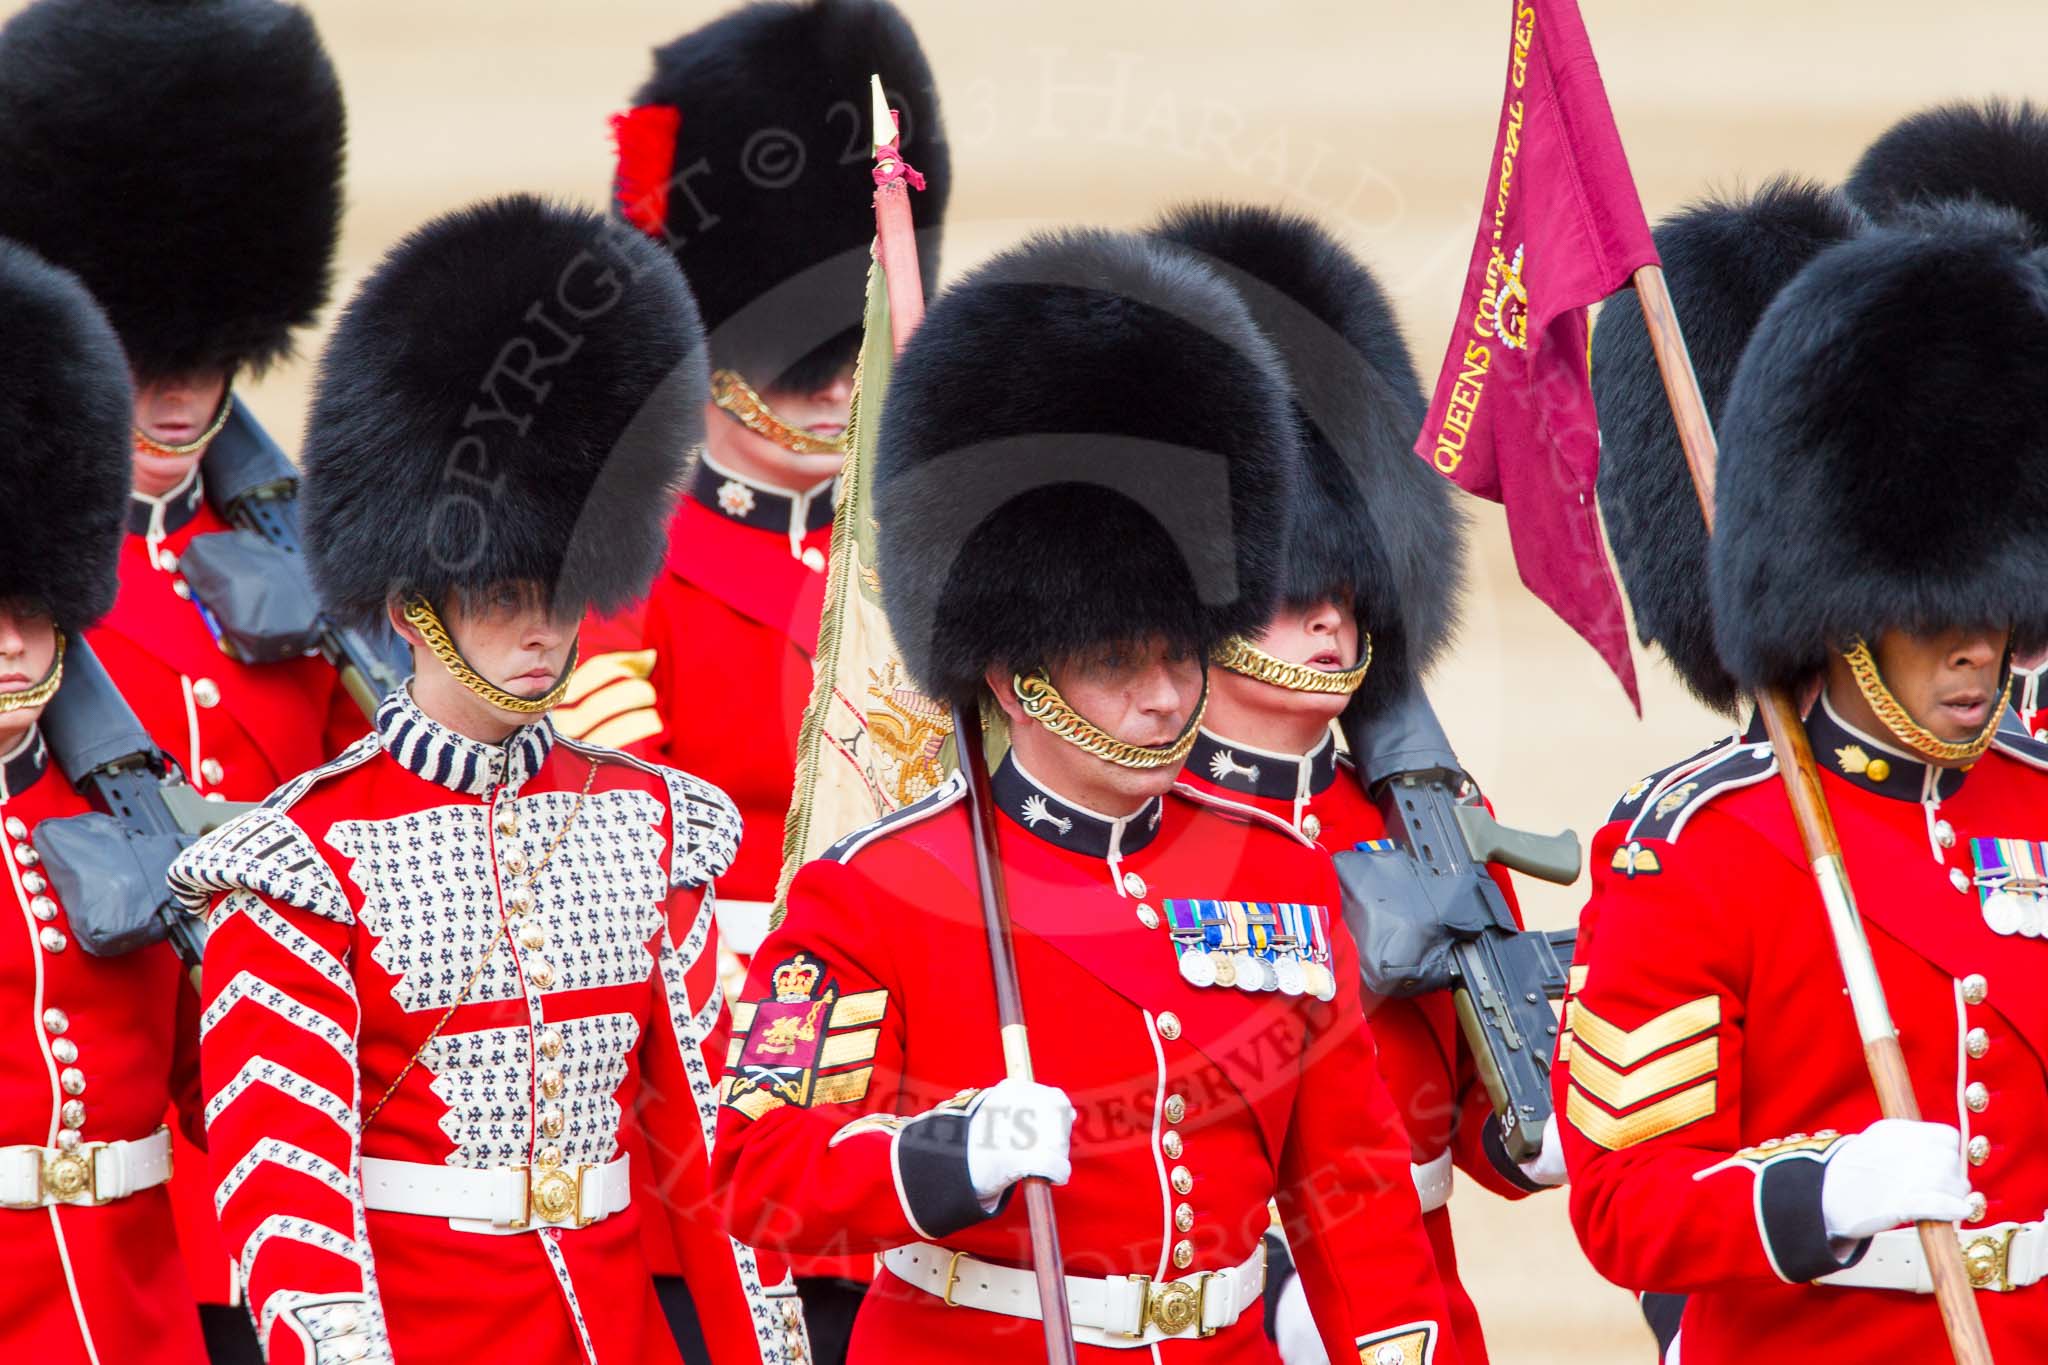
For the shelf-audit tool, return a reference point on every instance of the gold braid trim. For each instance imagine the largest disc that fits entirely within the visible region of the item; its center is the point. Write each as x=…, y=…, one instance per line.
x=420, y=613
x=1915, y=736
x=737, y=397
x=1240, y=655
x=41, y=693
x=1044, y=704
x=150, y=446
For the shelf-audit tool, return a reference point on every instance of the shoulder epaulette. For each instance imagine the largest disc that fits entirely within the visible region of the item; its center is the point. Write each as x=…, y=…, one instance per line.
x=261, y=850
x=947, y=793
x=1664, y=813
x=1631, y=803
x=706, y=822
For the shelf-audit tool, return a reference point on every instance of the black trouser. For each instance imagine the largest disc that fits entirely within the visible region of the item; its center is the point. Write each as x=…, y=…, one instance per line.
x=230, y=1336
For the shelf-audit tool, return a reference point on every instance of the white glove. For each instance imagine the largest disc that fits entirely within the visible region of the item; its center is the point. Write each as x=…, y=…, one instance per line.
x=1895, y=1171
x=1547, y=1166
x=1294, y=1331
x=1018, y=1129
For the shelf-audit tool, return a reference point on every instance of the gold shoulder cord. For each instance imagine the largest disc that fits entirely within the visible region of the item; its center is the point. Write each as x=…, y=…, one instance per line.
x=420, y=614
x=737, y=397
x=41, y=693
x=1241, y=656
x=1910, y=732
x=1044, y=704
x=197, y=443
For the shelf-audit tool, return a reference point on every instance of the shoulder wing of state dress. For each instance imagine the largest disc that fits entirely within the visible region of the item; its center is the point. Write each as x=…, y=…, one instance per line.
x=1661, y=808
x=1636, y=799
x=2016, y=743
x=707, y=823
x=946, y=794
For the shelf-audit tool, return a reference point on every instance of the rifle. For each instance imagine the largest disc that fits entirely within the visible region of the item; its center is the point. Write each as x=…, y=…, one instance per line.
x=109, y=866
x=1428, y=917
x=255, y=585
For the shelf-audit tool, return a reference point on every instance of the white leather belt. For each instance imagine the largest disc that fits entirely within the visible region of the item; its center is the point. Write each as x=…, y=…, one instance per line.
x=1998, y=1258
x=92, y=1173
x=499, y=1199
x=1433, y=1181
x=742, y=924
x=1115, y=1311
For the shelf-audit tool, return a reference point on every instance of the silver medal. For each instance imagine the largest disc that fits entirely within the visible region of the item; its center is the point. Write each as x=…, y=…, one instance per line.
x=2004, y=913
x=2033, y=916
x=1288, y=975
x=1247, y=971
x=1196, y=969
x=1269, y=976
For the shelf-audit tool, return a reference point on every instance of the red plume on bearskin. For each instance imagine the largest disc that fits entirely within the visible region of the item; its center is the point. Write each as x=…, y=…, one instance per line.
x=645, y=141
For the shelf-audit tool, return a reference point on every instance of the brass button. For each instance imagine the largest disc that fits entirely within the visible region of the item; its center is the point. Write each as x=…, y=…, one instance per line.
x=16, y=829
x=1184, y=1218
x=55, y=1020
x=549, y=1156
x=1878, y=770
x=507, y=821
x=1979, y=1150
x=515, y=863
x=1311, y=827
x=1134, y=884
x=182, y=588
x=551, y=1083
x=1977, y=1204
x=552, y=1122
x=1176, y=1108
x=1183, y=1183
x=1148, y=917
x=1944, y=834
x=33, y=883
x=518, y=900
x=73, y=1113
x=1171, y=1145
x=43, y=908
x=68, y=1139
x=1977, y=1042
x=26, y=855
x=206, y=692
x=211, y=771
x=1169, y=1025
x=64, y=1050
x=1975, y=988
x=1183, y=1254
x=551, y=1043
x=52, y=939
x=1978, y=1096
x=72, y=1079
x=813, y=559
x=542, y=972
x=532, y=935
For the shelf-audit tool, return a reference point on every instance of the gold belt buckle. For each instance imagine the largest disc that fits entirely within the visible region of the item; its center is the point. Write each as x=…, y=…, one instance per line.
x=555, y=1194
x=1988, y=1262
x=1176, y=1306
x=68, y=1175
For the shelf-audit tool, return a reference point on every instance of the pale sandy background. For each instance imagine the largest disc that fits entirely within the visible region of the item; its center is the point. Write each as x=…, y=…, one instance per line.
x=1378, y=116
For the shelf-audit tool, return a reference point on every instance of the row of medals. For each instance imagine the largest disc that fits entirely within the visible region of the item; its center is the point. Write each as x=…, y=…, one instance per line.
x=2017, y=912
x=1286, y=973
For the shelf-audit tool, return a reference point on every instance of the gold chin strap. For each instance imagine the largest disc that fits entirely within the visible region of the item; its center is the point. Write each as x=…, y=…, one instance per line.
x=197, y=443
x=419, y=613
x=40, y=694
x=735, y=396
x=1915, y=736
x=1044, y=704
x=1240, y=655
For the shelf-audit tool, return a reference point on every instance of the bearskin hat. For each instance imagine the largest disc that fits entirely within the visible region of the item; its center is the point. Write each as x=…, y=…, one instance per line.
x=1866, y=483
x=65, y=410
x=1724, y=261
x=1996, y=152
x=185, y=160
x=1087, y=441
x=1371, y=521
x=748, y=155
x=512, y=395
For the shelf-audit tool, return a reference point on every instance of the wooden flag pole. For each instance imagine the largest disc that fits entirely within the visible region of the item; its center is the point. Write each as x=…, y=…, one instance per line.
x=896, y=252
x=1881, y=1050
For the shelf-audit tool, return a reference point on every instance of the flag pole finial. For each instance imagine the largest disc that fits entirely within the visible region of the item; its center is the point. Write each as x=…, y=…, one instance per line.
x=885, y=121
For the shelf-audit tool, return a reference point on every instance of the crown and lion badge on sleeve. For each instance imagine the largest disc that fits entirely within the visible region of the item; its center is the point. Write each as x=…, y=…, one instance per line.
x=809, y=1043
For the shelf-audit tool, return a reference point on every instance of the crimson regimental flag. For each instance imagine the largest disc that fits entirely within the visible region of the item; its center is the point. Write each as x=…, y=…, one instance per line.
x=1561, y=228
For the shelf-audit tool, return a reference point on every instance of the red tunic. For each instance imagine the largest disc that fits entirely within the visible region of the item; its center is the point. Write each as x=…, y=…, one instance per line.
x=1713, y=1058
x=1196, y=1106
x=237, y=730
x=109, y=1043
x=1422, y=1053
x=348, y=915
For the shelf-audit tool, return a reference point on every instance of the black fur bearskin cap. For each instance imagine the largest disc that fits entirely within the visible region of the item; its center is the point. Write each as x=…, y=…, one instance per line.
x=64, y=417
x=185, y=160
x=1724, y=261
x=1995, y=152
x=514, y=394
x=1884, y=452
x=1373, y=521
x=761, y=179
x=1087, y=442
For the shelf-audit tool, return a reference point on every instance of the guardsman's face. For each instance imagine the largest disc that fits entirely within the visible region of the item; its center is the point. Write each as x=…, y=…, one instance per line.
x=1141, y=693
x=821, y=412
x=511, y=636
x=1947, y=681
x=174, y=411
x=1323, y=635
x=28, y=646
